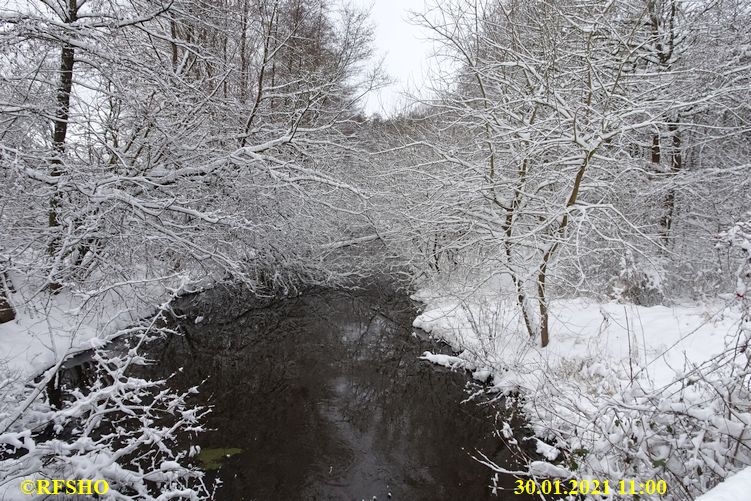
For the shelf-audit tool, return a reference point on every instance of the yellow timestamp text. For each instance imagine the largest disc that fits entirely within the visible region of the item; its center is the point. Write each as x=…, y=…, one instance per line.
x=594, y=487
x=54, y=487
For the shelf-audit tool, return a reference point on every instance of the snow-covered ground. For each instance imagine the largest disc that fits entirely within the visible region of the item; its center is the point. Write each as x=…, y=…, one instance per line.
x=49, y=328
x=37, y=340
x=737, y=487
x=626, y=391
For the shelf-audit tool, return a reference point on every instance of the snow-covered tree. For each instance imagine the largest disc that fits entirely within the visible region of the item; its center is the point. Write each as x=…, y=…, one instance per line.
x=148, y=149
x=542, y=156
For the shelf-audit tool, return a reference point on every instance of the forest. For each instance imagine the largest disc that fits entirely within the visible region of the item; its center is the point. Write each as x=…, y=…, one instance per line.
x=569, y=200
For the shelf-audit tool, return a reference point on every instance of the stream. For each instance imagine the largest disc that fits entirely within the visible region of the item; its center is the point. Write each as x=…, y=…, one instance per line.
x=323, y=396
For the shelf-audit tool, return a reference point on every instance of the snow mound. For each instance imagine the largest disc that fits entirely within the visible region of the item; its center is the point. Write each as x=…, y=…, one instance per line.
x=735, y=488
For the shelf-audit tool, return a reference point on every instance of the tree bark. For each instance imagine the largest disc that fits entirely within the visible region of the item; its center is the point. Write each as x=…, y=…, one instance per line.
x=243, y=51
x=656, y=151
x=7, y=313
x=60, y=129
x=676, y=164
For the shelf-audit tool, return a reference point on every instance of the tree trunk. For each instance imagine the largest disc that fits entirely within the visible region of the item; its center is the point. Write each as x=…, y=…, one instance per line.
x=7, y=313
x=60, y=129
x=243, y=52
x=544, y=324
x=656, y=151
x=547, y=257
x=173, y=43
x=676, y=164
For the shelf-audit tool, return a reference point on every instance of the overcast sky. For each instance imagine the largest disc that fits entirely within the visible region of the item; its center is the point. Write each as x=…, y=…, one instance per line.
x=404, y=48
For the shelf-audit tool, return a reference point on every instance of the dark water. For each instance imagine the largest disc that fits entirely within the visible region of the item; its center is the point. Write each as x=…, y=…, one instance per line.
x=326, y=398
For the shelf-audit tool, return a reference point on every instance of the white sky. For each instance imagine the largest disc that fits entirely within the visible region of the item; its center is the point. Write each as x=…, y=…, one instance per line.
x=404, y=48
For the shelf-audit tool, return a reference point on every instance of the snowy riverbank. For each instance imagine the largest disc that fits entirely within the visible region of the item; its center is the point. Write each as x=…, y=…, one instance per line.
x=49, y=329
x=622, y=391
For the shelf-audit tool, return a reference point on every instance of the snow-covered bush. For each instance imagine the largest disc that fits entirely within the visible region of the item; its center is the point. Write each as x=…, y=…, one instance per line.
x=692, y=434
x=636, y=283
x=125, y=430
x=739, y=236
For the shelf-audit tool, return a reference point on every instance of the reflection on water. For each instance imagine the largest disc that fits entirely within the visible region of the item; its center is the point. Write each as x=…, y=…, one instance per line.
x=326, y=398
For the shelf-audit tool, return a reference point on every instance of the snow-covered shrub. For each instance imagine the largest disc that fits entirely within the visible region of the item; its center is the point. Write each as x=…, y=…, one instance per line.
x=739, y=236
x=125, y=430
x=636, y=283
x=691, y=434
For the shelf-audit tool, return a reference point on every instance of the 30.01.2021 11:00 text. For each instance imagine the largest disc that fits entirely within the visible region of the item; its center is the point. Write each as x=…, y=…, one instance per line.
x=594, y=487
